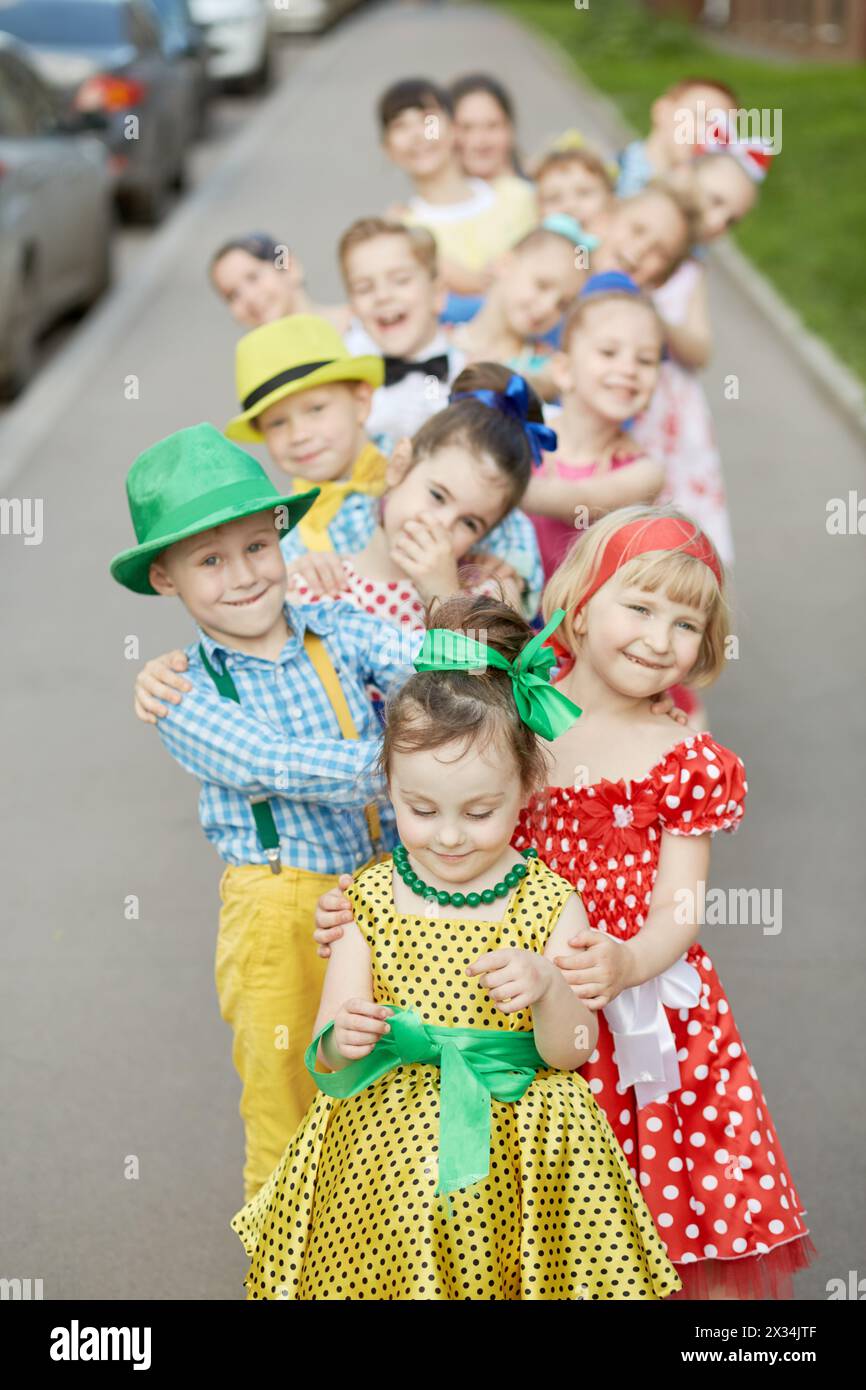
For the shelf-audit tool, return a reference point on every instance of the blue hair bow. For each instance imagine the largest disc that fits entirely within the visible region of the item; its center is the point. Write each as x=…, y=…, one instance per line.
x=608, y=280
x=514, y=401
x=570, y=228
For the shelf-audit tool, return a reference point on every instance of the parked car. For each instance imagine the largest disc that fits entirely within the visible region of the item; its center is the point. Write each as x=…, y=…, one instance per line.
x=307, y=16
x=185, y=43
x=238, y=36
x=56, y=214
x=108, y=58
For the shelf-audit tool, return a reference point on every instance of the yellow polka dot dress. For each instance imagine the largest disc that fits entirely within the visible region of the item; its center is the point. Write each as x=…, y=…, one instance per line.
x=351, y=1211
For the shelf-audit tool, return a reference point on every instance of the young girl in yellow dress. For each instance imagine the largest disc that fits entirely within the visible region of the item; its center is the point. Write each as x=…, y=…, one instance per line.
x=453, y=1151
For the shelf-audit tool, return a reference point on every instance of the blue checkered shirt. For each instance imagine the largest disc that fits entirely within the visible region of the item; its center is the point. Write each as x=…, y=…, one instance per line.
x=513, y=540
x=283, y=740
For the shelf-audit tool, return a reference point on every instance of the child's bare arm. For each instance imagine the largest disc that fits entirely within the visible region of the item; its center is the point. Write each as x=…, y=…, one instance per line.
x=598, y=968
x=671, y=926
x=347, y=1003
x=691, y=342
x=640, y=481
x=566, y=1031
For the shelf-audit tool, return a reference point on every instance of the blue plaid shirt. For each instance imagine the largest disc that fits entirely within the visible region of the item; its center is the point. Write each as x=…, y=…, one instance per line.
x=283, y=740
x=513, y=540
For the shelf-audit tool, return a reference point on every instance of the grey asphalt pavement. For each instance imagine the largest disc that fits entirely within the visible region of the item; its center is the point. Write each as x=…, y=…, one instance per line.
x=120, y=1165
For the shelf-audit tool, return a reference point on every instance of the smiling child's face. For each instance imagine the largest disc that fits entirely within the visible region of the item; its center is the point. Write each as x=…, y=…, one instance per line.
x=484, y=136
x=639, y=642
x=317, y=434
x=255, y=291
x=420, y=141
x=577, y=191
x=394, y=296
x=452, y=487
x=231, y=579
x=612, y=362
x=725, y=194
x=456, y=807
x=537, y=284
x=644, y=238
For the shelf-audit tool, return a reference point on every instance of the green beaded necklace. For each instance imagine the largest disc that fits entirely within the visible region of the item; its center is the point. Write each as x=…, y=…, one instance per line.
x=425, y=890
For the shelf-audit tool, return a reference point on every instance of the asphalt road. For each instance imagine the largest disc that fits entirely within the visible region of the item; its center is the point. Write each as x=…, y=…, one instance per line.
x=114, y=1057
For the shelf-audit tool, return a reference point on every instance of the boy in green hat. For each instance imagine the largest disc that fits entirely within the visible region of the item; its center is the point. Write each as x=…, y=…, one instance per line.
x=283, y=748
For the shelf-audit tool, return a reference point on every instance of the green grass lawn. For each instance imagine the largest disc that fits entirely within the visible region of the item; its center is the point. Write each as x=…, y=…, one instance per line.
x=808, y=233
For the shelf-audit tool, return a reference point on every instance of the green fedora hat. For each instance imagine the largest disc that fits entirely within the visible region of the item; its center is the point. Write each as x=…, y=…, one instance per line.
x=187, y=483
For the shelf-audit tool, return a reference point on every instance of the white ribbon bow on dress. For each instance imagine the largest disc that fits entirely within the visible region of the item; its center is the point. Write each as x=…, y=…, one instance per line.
x=645, y=1048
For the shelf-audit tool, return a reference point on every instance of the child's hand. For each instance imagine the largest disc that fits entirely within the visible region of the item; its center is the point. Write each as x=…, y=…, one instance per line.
x=158, y=680
x=321, y=571
x=358, y=1026
x=333, y=910
x=600, y=969
x=424, y=550
x=514, y=979
x=664, y=704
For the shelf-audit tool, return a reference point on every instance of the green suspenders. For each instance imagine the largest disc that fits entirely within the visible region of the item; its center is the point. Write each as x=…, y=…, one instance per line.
x=266, y=828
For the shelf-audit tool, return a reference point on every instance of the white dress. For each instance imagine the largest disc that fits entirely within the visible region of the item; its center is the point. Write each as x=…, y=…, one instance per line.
x=677, y=429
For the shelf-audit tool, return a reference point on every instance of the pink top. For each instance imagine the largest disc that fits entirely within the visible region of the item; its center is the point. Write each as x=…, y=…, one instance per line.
x=555, y=536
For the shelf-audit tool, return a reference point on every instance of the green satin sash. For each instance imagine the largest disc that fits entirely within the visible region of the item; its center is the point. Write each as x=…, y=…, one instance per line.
x=476, y=1064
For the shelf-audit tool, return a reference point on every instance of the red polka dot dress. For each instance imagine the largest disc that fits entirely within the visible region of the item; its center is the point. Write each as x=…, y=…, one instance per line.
x=394, y=601
x=706, y=1153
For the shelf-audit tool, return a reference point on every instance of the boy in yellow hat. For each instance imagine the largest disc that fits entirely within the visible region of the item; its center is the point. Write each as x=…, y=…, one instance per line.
x=283, y=747
x=308, y=399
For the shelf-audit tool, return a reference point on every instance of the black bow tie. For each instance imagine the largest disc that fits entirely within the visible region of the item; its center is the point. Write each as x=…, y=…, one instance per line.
x=396, y=368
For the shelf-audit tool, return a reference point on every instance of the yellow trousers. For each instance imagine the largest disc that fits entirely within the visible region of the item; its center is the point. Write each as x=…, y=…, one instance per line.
x=269, y=980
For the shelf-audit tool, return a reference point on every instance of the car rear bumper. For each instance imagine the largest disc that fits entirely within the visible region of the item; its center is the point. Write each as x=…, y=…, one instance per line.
x=238, y=46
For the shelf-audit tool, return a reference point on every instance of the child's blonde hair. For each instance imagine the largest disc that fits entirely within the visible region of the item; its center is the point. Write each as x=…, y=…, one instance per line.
x=421, y=242
x=584, y=156
x=684, y=578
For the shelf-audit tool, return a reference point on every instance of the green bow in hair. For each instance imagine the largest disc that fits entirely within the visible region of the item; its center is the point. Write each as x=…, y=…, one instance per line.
x=540, y=705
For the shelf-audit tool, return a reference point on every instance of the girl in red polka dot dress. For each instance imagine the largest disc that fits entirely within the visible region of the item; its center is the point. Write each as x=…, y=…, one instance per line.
x=629, y=819
x=447, y=488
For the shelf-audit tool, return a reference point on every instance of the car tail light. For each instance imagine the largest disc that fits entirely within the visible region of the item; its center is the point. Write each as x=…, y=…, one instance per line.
x=106, y=93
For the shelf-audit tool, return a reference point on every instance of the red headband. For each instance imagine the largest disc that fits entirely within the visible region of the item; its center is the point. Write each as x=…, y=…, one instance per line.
x=640, y=537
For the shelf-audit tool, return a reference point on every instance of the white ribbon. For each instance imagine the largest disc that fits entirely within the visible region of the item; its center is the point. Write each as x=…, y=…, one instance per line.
x=645, y=1048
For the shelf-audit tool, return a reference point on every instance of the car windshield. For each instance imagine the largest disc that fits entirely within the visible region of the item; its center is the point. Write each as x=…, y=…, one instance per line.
x=75, y=23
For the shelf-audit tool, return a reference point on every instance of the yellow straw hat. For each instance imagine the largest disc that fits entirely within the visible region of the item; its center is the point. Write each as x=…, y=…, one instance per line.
x=289, y=355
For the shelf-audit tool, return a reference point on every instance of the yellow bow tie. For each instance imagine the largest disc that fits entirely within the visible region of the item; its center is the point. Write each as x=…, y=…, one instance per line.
x=368, y=475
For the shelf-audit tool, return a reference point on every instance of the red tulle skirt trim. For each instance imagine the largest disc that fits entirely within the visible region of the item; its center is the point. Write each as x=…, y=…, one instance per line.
x=751, y=1277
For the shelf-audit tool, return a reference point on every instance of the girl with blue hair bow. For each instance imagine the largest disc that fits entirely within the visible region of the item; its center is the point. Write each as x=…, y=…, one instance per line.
x=464, y=470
